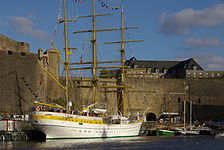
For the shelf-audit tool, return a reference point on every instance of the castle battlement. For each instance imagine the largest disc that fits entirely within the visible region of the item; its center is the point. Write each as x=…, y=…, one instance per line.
x=12, y=45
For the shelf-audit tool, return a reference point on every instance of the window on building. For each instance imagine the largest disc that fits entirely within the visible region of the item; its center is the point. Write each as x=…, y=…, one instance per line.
x=201, y=74
x=213, y=75
x=199, y=101
x=194, y=67
x=207, y=75
x=189, y=74
x=23, y=53
x=178, y=100
x=218, y=74
x=195, y=74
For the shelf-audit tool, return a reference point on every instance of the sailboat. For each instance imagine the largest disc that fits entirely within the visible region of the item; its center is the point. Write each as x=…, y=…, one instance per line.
x=57, y=122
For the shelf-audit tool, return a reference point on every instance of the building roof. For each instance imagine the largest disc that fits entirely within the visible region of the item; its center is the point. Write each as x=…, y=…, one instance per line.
x=150, y=64
x=170, y=65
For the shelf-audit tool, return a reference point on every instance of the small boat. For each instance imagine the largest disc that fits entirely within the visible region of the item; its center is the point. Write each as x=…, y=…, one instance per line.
x=164, y=132
x=189, y=132
x=219, y=136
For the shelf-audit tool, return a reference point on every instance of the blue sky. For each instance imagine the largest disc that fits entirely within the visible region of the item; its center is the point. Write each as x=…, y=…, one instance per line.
x=171, y=29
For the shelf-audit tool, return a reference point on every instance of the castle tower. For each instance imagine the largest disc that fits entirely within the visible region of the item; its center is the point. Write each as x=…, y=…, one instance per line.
x=52, y=65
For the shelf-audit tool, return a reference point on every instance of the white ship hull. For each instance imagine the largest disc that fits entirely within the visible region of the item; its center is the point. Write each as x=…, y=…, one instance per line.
x=61, y=125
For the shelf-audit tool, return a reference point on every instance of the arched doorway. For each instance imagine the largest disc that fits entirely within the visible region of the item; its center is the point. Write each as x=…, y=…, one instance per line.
x=150, y=117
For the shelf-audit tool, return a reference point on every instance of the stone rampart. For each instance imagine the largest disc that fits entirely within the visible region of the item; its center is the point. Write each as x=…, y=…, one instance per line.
x=20, y=79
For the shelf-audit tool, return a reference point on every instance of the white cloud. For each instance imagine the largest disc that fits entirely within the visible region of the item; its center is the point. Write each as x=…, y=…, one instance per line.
x=212, y=61
x=202, y=43
x=25, y=26
x=181, y=22
x=208, y=61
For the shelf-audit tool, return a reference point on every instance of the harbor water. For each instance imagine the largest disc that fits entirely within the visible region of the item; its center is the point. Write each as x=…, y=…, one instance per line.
x=142, y=142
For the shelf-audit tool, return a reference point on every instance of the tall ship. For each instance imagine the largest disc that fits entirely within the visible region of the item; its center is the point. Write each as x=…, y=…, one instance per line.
x=58, y=122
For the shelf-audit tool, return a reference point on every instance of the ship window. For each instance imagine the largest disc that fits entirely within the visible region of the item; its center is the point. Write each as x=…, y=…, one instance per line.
x=80, y=123
x=135, y=66
x=148, y=70
x=156, y=70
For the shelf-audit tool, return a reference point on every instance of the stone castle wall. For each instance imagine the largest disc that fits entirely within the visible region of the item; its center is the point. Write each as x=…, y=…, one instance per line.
x=19, y=81
x=206, y=94
x=22, y=80
x=12, y=45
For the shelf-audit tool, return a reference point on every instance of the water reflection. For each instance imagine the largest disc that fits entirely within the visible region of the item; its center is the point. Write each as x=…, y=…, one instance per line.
x=166, y=143
x=106, y=143
x=94, y=142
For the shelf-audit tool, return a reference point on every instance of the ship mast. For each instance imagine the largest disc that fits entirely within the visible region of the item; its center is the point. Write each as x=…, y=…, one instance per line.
x=123, y=90
x=94, y=50
x=122, y=101
x=66, y=53
x=121, y=87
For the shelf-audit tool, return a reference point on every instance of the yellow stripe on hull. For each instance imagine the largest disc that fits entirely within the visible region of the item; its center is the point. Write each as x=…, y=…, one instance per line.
x=69, y=119
x=65, y=119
